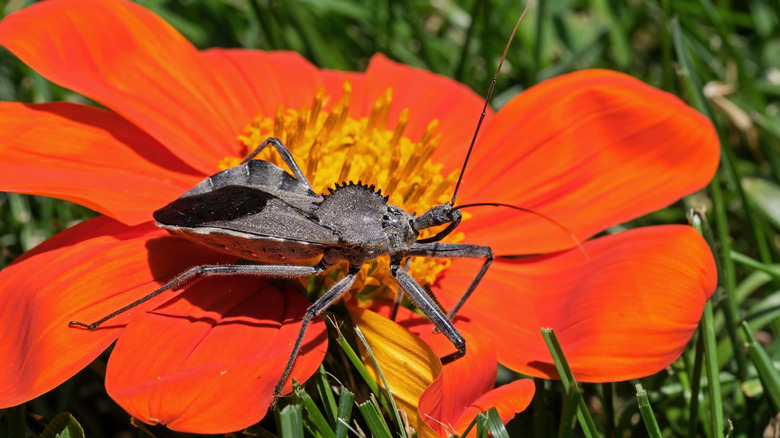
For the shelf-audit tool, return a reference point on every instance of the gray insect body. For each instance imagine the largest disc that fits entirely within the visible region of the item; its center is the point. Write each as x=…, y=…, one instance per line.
x=259, y=212
x=367, y=225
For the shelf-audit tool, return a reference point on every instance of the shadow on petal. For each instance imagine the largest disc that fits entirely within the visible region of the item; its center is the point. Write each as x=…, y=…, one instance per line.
x=208, y=361
x=83, y=274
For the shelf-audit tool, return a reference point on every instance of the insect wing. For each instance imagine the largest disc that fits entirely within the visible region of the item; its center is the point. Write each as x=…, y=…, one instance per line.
x=257, y=174
x=255, y=210
x=249, y=223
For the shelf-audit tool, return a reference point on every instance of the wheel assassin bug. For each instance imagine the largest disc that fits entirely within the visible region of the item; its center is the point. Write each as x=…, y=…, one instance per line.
x=259, y=212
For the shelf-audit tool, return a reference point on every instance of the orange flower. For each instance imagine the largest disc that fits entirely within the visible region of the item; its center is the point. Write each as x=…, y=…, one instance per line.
x=590, y=149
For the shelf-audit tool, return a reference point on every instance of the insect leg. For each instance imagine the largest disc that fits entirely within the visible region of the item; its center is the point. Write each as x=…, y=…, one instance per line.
x=420, y=299
x=460, y=250
x=400, y=294
x=284, y=153
x=319, y=306
x=205, y=270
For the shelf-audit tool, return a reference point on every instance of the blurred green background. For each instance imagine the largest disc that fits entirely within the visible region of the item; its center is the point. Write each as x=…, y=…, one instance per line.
x=721, y=56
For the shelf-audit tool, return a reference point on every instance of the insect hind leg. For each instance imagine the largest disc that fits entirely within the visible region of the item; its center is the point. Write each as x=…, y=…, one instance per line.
x=331, y=296
x=420, y=299
x=284, y=153
x=209, y=270
x=456, y=250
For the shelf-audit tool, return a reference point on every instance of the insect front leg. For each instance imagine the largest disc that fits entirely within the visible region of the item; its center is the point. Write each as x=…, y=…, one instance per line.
x=420, y=299
x=458, y=250
x=209, y=270
x=331, y=296
x=284, y=153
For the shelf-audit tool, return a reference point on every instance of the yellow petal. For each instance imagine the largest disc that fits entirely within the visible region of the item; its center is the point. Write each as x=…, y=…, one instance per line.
x=408, y=364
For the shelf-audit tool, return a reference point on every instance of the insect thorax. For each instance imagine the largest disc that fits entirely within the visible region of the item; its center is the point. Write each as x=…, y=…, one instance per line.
x=366, y=224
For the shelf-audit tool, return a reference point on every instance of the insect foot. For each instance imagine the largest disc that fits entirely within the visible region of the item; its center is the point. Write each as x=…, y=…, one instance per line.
x=91, y=327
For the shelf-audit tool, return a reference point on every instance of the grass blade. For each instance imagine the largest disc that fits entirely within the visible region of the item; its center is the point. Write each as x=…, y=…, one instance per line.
x=63, y=426
x=742, y=259
x=729, y=305
x=354, y=359
x=346, y=399
x=770, y=378
x=291, y=419
x=313, y=414
x=713, y=373
x=326, y=395
x=482, y=430
x=647, y=412
x=707, y=332
x=693, y=413
x=570, y=411
x=567, y=378
x=495, y=425
x=374, y=420
x=389, y=394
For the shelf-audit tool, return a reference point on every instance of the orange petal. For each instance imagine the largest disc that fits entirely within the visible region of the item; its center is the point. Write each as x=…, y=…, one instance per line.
x=208, y=361
x=627, y=311
x=130, y=60
x=81, y=274
x=333, y=81
x=89, y=156
x=408, y=364
x=465, y=387
x=590, y=149
x=428, y=96
x=509, y=399
x=258, y=82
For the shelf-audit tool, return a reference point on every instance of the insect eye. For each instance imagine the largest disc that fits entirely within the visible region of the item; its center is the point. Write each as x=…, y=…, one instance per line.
x=392, y=217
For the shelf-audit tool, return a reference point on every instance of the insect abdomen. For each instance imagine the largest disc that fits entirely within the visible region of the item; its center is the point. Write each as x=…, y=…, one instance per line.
x=259, y=249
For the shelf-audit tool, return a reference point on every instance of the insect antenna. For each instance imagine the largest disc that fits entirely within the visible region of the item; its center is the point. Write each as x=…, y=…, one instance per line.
x=535, y=213
x=487, y=101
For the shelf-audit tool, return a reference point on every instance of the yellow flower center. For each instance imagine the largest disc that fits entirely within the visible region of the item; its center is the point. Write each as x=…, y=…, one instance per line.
x=331, y=147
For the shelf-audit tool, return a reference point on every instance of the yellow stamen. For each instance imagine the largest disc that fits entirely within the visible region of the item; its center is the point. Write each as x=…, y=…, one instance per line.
x=386, y=108
x=399, y=129
x=375, y=112
x=346, y=98
x=429, y=131
x=316, y=106
x=347, y=165
x=279, y=123
x=444, y=184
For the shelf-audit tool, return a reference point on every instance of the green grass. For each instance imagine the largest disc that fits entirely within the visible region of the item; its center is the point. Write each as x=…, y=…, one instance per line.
x=725, y=382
